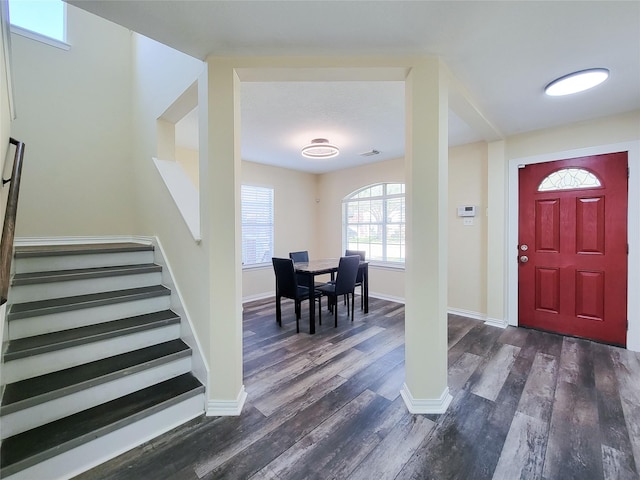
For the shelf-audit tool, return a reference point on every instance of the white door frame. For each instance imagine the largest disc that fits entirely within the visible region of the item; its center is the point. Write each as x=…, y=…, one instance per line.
x=633, y=223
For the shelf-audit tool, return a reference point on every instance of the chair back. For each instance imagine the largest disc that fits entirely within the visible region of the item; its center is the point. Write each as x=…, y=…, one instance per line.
x=347, y=273
x=299, y=257
x=286, y=282
x=363, y=256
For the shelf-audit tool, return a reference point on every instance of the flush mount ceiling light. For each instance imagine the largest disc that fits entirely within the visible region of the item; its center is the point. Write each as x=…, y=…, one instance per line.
x=320, y=148
x=577, y=82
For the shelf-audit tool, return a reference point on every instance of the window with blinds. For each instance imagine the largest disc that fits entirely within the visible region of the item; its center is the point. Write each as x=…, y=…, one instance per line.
x=257, y=224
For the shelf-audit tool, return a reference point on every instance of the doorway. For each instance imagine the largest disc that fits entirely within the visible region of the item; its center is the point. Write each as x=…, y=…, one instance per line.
x=572, y=247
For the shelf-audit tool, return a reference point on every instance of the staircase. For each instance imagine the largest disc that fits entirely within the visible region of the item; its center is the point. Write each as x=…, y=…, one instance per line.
x=94, y=363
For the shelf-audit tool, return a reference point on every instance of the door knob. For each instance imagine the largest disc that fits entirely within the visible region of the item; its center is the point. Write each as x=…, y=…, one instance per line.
x=524, y=259
x=524, y=247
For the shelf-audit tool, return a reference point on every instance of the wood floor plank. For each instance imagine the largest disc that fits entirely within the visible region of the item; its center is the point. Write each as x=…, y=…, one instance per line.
x=460, y=370
x=392, y=453
x=574, y=448
x=539, y=391
x=495, y=372
x=523, y=454
x=557, y=408
x=627, y=365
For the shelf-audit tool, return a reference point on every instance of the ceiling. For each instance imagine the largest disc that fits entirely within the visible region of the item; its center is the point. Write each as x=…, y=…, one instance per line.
x=502, y=54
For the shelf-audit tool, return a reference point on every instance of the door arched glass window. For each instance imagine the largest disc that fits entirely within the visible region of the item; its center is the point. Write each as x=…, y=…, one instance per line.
x=569, y=179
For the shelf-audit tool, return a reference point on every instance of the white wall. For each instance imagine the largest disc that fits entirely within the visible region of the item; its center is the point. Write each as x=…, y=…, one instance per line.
x=160, y=75
x=74, y=115
x=188, y=160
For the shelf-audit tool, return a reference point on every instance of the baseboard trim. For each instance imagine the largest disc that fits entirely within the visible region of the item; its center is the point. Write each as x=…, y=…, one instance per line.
x=467, y=313
x=227, y=408
x=389, y=298
x=258, y=296
x=496, y=322
x=419, y=406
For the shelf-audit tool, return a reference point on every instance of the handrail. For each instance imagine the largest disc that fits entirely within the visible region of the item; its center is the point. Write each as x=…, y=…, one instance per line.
x=9, y=228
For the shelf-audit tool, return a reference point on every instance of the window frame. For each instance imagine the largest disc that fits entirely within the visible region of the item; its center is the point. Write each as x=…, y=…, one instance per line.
x=243, y=224
x=384, y=199
x=41, y=37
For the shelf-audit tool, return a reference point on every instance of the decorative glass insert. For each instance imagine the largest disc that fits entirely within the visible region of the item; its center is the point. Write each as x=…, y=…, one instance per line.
x=569, y=178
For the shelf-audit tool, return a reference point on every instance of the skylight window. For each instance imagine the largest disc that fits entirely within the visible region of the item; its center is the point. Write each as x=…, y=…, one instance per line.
x=39, y=18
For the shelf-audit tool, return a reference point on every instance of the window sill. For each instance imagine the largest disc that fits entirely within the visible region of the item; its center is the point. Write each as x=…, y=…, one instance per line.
x=38, y=37
x=386, y=266
x=257, y=266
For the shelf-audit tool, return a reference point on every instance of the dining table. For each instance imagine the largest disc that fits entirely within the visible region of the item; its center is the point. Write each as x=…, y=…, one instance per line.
x=311, y=269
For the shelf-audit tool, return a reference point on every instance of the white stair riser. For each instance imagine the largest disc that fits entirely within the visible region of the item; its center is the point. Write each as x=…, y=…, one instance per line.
x=37, y=415
x=39, y=325
x=70, y=262
x=45, y=291
x=84, y=457
x=20, y=369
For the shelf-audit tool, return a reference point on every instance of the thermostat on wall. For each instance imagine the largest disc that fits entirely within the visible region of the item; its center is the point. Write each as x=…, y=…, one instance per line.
x=467, y=211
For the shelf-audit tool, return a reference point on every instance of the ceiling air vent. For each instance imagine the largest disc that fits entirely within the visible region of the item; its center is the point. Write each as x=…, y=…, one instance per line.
x=369, y=153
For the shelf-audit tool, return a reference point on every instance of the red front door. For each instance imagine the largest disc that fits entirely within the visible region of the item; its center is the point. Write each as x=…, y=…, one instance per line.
x=572, y=247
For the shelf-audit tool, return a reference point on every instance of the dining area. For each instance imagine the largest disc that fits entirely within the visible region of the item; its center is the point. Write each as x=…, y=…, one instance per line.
x=297, y=279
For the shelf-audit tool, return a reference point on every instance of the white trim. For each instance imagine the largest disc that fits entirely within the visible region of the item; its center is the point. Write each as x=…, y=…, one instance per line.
x=425, y=405
x=258, y=296
x=38, y=241
x=496, y=322
x=199, y=366
x=38, y=37
x=184, y=194
x=467, y=313
x=633, y=221
x=227, y=408
x=389, y=298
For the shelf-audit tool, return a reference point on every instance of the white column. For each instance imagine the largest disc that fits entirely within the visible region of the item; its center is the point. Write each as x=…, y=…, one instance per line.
x=426, y=157
x=226, y=394
x=496, y=234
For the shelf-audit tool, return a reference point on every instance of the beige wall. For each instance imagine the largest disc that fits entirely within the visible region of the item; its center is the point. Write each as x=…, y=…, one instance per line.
x=188, y=160
x=295, y=222
x=601, y=131
x=332, y=188
x=74, y=115
x=160, y=75
x=468, y=243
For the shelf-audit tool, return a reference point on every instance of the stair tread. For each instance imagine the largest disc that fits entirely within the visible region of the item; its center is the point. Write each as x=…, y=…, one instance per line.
x=83, y=273
x=38, y=344
x=79, y=249
x=33, y=446
x=33, y=391
x=56, y=305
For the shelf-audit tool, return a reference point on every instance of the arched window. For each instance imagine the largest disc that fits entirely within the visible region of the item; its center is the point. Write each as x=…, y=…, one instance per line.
x=373, y=220
x=569, y=178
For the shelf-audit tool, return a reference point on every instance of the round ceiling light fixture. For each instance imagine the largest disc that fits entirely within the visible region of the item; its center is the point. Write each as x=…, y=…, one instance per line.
x=577, y=82
x=320, y=148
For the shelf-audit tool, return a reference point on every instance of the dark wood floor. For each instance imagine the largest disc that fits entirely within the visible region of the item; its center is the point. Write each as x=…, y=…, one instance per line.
x=526, y=404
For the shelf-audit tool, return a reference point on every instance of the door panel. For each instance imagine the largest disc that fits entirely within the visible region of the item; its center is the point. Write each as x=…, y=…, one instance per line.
x=572, y=276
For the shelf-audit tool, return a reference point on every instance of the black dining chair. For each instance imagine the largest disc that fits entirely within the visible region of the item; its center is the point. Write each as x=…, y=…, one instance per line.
x=345, y=284
x=287, y=287
x=359, y=278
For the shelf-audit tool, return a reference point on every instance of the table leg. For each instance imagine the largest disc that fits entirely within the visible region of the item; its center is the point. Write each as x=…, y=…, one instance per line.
x=312, y=304
x=278, y=310
x=365, y=284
